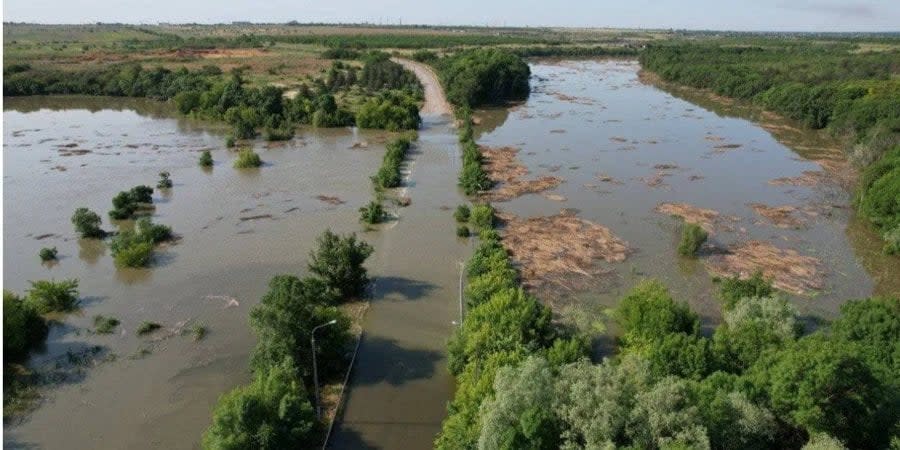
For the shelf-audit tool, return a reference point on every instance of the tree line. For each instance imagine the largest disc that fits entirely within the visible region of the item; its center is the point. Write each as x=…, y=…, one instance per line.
x=854, y=94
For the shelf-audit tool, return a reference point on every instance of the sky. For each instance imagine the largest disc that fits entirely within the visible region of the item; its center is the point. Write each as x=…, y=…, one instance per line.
x=739, y=15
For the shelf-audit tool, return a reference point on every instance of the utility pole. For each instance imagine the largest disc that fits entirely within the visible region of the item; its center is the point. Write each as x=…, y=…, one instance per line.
x=315, y=369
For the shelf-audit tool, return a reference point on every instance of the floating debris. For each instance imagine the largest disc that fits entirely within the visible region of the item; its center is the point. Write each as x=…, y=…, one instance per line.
x=789, y=270
x=780, y=216
x=505, y=170
x=706, y=218
x=330, y=199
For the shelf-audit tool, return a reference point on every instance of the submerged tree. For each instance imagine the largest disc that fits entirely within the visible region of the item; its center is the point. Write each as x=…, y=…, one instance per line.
x=339, y=261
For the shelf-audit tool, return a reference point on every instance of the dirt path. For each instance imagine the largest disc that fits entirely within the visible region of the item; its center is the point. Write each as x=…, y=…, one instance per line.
x=435, y=101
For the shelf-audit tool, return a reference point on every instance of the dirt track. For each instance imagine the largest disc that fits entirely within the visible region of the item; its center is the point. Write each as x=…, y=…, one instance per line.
x=435, y=101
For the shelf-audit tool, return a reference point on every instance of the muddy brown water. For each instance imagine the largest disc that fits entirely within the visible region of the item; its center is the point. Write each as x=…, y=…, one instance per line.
x=589, y=119
x=583, y=119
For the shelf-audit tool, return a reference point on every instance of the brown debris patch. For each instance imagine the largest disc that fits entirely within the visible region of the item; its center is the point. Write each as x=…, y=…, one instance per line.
x=665, y=167
x=808, y=178
x=706, y=218
x=562, y=249
x=789, y=270
x=780, y=216
x=554, y=197
x=505, y=170
x=73, y=152
x=261, y=216
x=607, y=179
x=618, y=139
x=330, y=199
x=727, y=146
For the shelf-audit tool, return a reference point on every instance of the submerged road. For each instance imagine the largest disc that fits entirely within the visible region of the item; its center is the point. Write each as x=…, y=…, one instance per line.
x=400, y=385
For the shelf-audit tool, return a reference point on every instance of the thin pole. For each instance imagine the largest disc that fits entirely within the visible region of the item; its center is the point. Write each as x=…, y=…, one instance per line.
x=312, y=343
x=461, y=266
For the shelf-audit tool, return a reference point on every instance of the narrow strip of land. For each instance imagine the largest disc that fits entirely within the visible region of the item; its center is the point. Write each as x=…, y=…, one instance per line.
x=435, y=101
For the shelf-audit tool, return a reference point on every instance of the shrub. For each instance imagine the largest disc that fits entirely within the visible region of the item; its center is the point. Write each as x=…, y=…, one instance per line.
x=23, y=328
x=272, y=412
x=388, y=175
x=147, y=327
x=104, y=324
x=648, y=313
x=372, y=213
x=130, y=249
x=230, y=141
x=892, y=241
x=486, y=75
x=338, y=260
x=52, y=296
x=463, y=231
x=692, y=237
x=151, y=232
x=482, y=216
x=87, y=223
x=392, y=110
x=48, y=254
x=283, y=133
x=462, y=214
x=753, y=327
x=734, y=289
x=246, y=159
x=878, y=197
x=126, y=203
x=206, y=159
x=164, y=181
x=199, y=332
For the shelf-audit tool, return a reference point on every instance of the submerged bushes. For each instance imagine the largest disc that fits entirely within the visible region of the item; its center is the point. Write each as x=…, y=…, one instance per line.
x=127, y=203
x=390, y=110
x=135, y=248
x=52, y=296
x=23, y=327
x=472, y=178
x=87, y=223
x=692, y=237
x=247, y=159
x=388, y=175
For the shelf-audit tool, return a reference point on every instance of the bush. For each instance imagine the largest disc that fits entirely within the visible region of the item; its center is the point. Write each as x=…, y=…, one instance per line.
x=164, y=181
x=462, y=214
x=648, y=313
x=692, y=237
x=272, y=412
x=391, y=110
x=147, y=327
x=380, y=73
x=372, y=213
x=338, y=260
x=482, y=216
x=892, y=241
x=151, y=232
x=734, y=289
x=52, y=296
x=105, y=325
x=23, y=328
x=48, y=254
x=131, y=249
x=878, y=197
x=206, y=159
x=87, y=223
x=388, y=175
x=247, y=159
x=462, y=231
x=279, y=134
x=230, y=141
x=126, y=203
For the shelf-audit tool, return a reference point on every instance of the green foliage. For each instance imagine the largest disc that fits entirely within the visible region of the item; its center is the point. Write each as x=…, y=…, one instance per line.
x=489, y=271
x=380, y=73
x=734, y=289
x=461, y=214
x=873, y=325
x=230, y=141
x=326, y=113
x=390, y=110
x=23, y=328
x=104, y=324
x=340, y=53
x=692, y=237
x=131, y=249
x=338, y=260
x=283, y=322
x=279, y=134
x=878, y=195
x=127, y=203
x=892, y=241
x=518, y=417
x=372, y=213
x=388, y=175
x=247, y=159
x=87, y=223
x=648, y=312
x=482, y=216
x=272, y=412
x=152, y=232
x=462, y=231
x=683, y=355
x=481, y=76
x=821, y=385
x=48, y=253
x=147, y=327
x=753, y=327
x=52, y=296
x=206, y=159
x=164, y=181
x=199, y=332
x=472, y=178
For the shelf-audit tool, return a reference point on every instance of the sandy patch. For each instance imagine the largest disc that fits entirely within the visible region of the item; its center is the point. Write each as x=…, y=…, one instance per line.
x=808, y=178
x=506, y=171
x=708, y=219
x=561, y=250
x=789, y=271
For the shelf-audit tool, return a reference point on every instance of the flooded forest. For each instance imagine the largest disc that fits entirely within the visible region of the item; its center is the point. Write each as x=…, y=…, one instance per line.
x=273, y=236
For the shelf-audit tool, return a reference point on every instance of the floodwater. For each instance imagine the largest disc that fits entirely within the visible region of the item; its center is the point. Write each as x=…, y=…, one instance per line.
x=590, y=119
x=238, y=228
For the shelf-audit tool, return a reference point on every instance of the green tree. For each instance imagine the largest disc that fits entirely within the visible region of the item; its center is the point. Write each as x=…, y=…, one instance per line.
x=692, y=237
x=338, y=260
x=87, y=223
x=753, y=327
x=272, y=412
x=47, y=296
x=23, y=327
x=648, y=312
